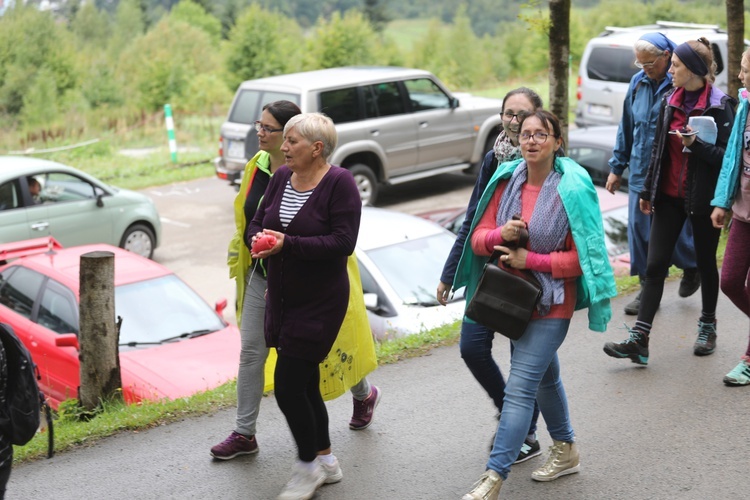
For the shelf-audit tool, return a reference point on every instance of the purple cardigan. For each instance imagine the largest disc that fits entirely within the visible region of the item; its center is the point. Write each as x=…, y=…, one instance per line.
x=308, y=285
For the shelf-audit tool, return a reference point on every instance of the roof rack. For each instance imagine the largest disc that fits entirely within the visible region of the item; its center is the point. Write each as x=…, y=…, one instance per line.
x=28, y=247
x=609, y=30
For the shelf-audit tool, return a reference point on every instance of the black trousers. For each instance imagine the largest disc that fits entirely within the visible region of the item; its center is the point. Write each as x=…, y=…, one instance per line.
x=297, y=390
x=668, y=219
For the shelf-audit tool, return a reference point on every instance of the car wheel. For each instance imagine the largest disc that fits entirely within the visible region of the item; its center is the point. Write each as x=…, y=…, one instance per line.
x=139, y=239
x=367, y=184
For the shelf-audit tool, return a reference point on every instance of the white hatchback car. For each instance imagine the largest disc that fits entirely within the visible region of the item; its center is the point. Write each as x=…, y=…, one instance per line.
x=400, y=259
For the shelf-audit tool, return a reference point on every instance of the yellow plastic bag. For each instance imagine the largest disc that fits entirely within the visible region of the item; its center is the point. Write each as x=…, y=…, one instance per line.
x=353, y=353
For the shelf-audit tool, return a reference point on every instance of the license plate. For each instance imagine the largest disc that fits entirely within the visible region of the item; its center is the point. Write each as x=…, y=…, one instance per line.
x=599, y=110
x=236, y=149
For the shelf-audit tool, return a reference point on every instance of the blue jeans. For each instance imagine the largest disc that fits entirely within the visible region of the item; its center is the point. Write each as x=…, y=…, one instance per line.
x=476, y=351
x=534, y=373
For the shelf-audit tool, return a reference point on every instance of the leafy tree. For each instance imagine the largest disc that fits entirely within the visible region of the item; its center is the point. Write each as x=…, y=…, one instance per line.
x=90, y=26
x=466, y=65
x=342, y=41
x=40, y=101
x=31, y=41
x=128, y=25
x=376, y=11
x=157, y=67
x=427, y=52
x=206, y=94
x=195, y=14
x=261, y=44
x=100, y=87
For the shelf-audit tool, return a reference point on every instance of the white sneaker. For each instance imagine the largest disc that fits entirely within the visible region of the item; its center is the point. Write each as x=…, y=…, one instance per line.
x=332, y=471
x=304, y=483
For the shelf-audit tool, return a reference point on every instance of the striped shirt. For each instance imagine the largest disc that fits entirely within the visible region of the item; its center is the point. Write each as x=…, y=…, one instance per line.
x=291, y=203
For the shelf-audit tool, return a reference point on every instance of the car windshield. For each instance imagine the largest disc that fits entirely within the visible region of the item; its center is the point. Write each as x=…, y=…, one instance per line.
x=616, y=231
x=412, y=267
x=162, y=308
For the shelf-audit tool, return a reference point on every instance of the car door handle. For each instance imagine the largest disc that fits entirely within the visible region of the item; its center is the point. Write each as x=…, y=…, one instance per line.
x=375, y=132
x=424, y=124
x=40, y=226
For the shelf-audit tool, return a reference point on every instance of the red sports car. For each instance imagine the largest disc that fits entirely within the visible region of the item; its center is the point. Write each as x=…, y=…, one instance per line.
x=172, y=343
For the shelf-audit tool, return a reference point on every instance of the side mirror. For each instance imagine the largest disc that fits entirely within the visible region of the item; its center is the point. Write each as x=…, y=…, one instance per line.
x=67, y=340
x=371, y=301
x=99, y=202
x=454, y=102
x=221, y=304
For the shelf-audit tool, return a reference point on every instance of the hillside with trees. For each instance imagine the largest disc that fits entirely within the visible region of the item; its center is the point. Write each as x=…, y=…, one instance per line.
x=103, y=65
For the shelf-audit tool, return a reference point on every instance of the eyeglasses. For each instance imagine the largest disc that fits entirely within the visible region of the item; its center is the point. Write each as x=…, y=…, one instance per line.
x=641, y=65
x=518, y=116
x=268, y=130
x=539, y=137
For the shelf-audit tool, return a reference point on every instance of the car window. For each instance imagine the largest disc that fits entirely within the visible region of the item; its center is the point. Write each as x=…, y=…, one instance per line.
x=594, y=160
x=249, y=104
x=611, y=64
x=425, y=94
x=426, y=256
x=58, y=187
x=162, y=308
x=57, y=309
x=616, y=231
x=388, y=100
x=20, y=289
x=9, y=195
x=341, y=105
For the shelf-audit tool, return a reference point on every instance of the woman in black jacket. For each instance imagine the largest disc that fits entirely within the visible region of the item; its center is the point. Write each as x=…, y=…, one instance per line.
x=680, y=183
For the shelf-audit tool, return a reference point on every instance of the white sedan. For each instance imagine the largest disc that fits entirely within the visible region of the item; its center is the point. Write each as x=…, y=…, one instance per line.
x=401, y=258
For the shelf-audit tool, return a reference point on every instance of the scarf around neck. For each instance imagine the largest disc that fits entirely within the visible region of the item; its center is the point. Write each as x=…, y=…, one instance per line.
x=548, y=227
x=504, y=149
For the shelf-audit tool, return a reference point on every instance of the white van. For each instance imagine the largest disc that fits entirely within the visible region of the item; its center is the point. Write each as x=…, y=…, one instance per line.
x=607, y=66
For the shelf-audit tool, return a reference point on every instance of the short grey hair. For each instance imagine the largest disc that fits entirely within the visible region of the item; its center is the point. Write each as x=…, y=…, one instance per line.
x=648, y=47
x=315, y=127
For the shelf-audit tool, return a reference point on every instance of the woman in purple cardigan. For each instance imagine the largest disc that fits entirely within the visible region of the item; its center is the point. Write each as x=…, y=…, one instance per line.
x=313, y=210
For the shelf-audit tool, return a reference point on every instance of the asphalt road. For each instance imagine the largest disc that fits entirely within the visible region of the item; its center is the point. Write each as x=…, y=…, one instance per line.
x=668, y=431
x=671, y=430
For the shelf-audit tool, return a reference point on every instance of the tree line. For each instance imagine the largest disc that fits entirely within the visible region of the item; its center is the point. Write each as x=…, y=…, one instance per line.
x=105, y=61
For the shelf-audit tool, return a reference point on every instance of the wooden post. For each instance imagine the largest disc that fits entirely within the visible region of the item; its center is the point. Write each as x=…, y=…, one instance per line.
x=99, y=337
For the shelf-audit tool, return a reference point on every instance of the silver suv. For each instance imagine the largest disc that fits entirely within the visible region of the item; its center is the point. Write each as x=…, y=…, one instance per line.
x=394, y=124
x=607, y=65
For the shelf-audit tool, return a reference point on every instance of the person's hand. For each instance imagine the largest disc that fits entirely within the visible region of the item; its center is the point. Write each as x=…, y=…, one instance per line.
x=645, y=206
x=613, y=182
x=718, y=216
x=443, y=292
x=687, y=140
x=512, y=230
x=515, y=258
x=276, y=248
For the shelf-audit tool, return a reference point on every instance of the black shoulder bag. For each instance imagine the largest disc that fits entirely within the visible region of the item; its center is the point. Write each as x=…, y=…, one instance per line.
x=503, y=301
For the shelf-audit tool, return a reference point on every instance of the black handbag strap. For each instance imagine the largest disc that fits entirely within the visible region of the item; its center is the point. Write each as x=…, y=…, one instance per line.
x=526, y=273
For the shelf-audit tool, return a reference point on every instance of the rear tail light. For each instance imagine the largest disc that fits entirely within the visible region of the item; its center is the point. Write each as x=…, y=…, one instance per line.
x=578, y=92
x=221, y=146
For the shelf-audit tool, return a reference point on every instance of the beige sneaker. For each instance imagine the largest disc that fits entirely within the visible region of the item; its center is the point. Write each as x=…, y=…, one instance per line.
x=486, y=488
x=563, y=459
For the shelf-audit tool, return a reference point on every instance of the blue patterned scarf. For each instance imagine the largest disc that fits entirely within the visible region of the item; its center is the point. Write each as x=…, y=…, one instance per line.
x=548, y=227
